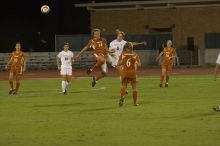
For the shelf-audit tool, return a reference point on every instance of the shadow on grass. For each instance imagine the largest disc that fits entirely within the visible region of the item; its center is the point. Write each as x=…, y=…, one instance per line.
x=60, y=105
x=201, y=115
x=98, y=109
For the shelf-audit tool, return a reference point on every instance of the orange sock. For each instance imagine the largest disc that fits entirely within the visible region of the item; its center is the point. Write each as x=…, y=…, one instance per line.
x=98, y=77
x=135, y=93
x=11, y=84
x=17, y=86
x=161, y=79
x=167, y=79
x=123, y=91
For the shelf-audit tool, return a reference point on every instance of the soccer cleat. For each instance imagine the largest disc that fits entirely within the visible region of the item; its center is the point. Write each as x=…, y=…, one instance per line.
x=14, y=93
x=166, y=85
x=93, y=81
x=89, y=71
x=11, y=91
x=217, y=109
x=121, y=101
x=136, y=104
x=161, y=85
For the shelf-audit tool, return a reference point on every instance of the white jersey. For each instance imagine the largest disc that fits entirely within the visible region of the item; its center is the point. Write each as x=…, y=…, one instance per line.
x=118, y=46
x=66, y=58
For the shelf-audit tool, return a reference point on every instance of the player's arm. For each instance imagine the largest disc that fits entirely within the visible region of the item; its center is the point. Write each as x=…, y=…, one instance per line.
x=8, y=63
x=24, y=63
x=58, y=62
x=120, y=60
x=83, y=50
x=159, y=56
x=138, y=61
x=139, y=43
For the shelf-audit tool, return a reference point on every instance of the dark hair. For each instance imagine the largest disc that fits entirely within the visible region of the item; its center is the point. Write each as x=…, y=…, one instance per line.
x=17, y=43
x=128, y=47
x=96, y=30
x=66, y=43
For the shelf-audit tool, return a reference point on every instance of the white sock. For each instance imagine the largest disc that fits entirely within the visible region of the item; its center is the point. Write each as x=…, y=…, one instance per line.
x=66, y=84
x=63, y=86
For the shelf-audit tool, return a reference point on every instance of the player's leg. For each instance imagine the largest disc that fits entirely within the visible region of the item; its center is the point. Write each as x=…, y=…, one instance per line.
x=168, y=70
x=101, y=75
x=123, y=91
x=63, y=73
x=216, y=71
x=11, y=76
x=163, y=73
x=135, y=92
x=100, y=60
x=63, y=84
x=68, y=80
x=18, y=77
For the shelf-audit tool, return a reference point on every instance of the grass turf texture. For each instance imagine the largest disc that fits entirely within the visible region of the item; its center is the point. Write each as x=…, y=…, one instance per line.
x=180, y=115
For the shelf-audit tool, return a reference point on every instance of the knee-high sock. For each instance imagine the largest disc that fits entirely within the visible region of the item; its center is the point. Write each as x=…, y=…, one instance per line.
x=67, y=83
x=63, y=84
x=123, y=91
x=161, y=79
x=98, y=77
x=11, y=84
x=167, y=78
x=135, y=93
x=17, y=86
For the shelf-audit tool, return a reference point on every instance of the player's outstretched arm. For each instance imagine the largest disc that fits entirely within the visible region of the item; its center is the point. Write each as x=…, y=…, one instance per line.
x=139, y=43
x=81, y=52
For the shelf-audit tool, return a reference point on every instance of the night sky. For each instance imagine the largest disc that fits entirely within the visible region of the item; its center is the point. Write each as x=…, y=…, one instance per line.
x=21, y=20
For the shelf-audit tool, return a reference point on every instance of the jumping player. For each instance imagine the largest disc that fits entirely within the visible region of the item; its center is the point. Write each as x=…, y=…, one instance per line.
x=17, y=64
x=116, y=48
x=216, y=67
x=99, y=46
x=128, y=61
x=66, y=59
x=168, y=55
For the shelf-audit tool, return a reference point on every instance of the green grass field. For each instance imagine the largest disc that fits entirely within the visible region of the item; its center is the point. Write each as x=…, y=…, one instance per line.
x=180, y=115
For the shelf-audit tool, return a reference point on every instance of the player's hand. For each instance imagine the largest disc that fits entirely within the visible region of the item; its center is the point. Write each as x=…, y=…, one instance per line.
x=6, y=67
x=112, y=51
x=24, y=69
x=58, y=67
x=144, y=43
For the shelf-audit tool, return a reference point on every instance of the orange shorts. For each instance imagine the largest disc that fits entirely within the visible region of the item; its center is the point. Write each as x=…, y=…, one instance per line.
x=167, y=65
x=16, y=70
x=128, y=77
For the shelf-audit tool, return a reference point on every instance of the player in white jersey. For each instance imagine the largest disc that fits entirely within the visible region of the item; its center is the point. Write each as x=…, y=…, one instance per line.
x=217, y=66
x=65, y=57
x=116, y=48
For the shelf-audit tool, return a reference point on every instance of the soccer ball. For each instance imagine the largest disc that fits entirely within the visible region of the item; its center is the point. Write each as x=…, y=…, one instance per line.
x=45, y=9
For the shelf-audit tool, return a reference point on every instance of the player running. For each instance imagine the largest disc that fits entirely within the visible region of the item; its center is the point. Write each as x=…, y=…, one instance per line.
x=116, y=48
x=65, y=57
x=128, y=61
x=99, y=46
x=17, y=64
x=168, y=55
x=216, y=67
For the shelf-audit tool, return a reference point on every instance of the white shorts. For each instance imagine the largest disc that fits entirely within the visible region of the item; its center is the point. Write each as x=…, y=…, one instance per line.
x=114, y=61
x=66, y=71
x=218, y=59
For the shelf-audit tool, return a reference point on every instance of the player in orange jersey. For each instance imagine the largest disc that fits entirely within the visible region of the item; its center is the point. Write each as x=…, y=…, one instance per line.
x=129, y=61
x=168, y=56
x=99, y=46
x=17, y=67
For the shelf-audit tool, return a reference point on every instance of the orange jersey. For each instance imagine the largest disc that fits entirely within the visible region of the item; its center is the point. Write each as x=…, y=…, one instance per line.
x=128, y=62
x=98, y=46
x=167, y=54
x=17, y=59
